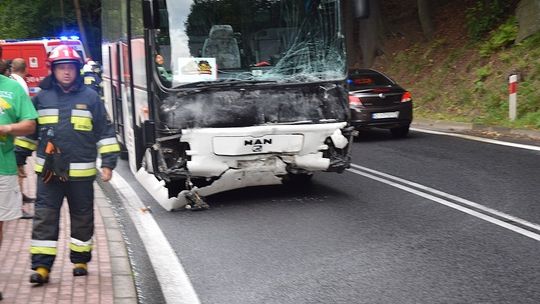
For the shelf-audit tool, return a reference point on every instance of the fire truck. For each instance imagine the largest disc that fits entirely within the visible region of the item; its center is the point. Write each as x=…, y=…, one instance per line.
x=35, y=53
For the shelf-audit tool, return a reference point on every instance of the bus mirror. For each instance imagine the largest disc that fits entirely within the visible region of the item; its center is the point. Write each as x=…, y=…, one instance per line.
x=361, y=9
x=149, y=135
x=148, y=15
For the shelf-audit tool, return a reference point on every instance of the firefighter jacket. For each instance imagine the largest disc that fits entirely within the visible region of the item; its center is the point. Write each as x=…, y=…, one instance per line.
x=93, y=81
x=77, y=123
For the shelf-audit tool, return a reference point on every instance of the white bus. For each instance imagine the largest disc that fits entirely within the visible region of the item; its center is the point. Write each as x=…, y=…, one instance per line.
x=213, y=95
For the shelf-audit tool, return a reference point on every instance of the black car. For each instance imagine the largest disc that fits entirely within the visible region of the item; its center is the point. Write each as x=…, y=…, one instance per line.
x=376, y=101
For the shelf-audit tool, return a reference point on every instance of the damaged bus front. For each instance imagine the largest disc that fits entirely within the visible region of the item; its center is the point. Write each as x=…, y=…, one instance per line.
x=239, y=93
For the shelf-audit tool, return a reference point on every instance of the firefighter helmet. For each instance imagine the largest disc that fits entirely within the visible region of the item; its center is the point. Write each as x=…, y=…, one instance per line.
x=64, y=54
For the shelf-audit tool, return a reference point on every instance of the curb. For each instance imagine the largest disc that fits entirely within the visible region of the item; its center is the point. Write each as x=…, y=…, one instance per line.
x=477, y=129
x=122, y=276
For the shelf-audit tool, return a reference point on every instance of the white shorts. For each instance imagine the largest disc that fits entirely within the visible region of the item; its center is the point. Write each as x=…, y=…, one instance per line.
x=10, y=198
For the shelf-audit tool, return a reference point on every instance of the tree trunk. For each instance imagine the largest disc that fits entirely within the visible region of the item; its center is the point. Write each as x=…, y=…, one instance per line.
x=352, y=43
x=82, y=31
x=424, y=14
x=370, y=35
x=63, y=16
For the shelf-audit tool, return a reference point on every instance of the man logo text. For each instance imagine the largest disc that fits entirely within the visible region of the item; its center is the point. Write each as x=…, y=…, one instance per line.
x=252, y=142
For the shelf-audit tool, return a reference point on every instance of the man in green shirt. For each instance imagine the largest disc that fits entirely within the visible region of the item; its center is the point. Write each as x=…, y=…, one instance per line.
x=17, y=118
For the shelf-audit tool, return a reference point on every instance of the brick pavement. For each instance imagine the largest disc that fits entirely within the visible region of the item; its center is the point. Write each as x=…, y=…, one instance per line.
x=110, y=279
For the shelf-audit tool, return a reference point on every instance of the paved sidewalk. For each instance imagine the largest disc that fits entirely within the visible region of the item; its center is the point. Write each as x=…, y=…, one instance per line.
x=110, y=279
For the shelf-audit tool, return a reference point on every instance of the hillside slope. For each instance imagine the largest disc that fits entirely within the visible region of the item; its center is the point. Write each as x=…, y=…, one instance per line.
x=453, y=78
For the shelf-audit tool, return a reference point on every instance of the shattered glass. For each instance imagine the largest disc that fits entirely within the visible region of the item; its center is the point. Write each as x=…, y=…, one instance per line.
x=282, y=41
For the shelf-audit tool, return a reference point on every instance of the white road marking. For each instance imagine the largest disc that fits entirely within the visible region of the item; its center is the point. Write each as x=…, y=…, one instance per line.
x=481, y=139
x=174, y=282
x=388, y=180
x=453, y=197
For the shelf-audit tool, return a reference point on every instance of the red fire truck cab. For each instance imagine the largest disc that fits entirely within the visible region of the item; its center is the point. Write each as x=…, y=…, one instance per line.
x=35, y=53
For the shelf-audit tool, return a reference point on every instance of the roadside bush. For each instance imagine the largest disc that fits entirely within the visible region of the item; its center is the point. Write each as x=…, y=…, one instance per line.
x=484, y=15
x=531, y=120
x=529, y=101
x=501, y=38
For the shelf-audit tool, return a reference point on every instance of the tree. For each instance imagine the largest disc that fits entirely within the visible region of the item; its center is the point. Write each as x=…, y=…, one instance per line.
x=369, y=34
x=80, y=22
x=364, y=36
x=25, y=19
x=424, y=14
x=45, y=18
x=87, y=14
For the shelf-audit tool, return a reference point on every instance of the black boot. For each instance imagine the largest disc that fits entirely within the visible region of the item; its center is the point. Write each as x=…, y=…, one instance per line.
x=80, y=269
x=40, y=277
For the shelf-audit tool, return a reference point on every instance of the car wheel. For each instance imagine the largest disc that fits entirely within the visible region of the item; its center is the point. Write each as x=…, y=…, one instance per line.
x=400, y=132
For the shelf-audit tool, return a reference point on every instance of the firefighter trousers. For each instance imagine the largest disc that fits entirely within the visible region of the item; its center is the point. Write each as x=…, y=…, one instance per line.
x=46, y=224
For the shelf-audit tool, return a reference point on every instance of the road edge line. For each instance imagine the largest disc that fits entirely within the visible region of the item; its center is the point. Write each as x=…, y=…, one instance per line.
x=175, y=284
x=481, y=139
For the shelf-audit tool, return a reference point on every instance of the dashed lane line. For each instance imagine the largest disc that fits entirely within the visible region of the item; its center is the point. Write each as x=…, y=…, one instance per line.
x=424, y=192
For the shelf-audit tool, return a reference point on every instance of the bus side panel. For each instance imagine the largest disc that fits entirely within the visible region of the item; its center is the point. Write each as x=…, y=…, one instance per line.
x=139, y=79
x=111, y=90
x=106, y=81
x=130, y=128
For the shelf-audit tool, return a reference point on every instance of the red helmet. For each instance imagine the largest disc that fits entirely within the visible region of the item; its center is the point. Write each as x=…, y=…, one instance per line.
x=64, y=54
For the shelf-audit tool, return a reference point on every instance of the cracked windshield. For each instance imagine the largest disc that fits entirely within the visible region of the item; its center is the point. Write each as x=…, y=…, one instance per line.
x=245, y=40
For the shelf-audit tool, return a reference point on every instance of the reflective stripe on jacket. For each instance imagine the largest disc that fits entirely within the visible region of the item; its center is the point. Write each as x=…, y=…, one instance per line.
x=79, y=126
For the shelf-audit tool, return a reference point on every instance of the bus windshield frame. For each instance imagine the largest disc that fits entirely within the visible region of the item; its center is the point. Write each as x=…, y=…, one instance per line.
x=283, y=41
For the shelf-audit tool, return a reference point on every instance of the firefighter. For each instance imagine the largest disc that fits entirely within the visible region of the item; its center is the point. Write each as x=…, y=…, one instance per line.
x=90, y=77
x=72, y=129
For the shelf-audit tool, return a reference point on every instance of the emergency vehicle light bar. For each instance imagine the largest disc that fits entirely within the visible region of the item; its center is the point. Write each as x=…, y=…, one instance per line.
x=64, y=38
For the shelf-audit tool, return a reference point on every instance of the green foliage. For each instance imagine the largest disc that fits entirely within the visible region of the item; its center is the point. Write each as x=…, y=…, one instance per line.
x=483, y=72
x=530, y=101
x=25, y=19
x=503, y=37
x=530, y=120
x=44, y=18
x=484, y=15
x=467, y=81
x=466, y=87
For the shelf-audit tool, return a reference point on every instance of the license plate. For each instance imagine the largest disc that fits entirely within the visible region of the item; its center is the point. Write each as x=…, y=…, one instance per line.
x=385, y=115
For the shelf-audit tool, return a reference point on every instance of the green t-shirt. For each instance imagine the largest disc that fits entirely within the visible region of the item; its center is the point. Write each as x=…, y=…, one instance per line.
x=15, y=106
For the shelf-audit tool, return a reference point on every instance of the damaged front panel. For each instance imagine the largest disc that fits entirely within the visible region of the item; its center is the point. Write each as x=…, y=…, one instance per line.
x=267, y=110
x=242, y=106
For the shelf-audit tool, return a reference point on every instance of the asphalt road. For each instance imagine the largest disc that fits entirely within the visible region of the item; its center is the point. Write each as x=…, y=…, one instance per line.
x=349, y=238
